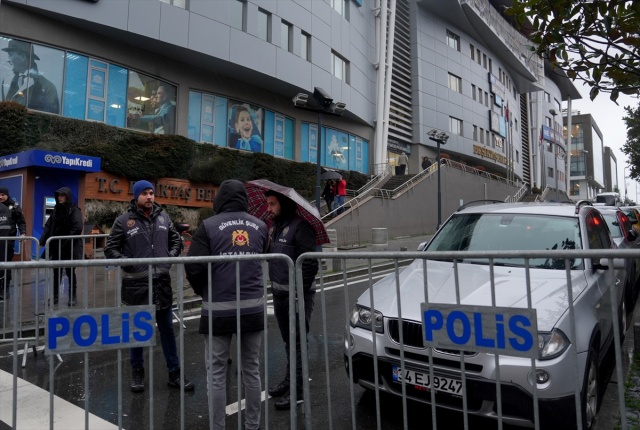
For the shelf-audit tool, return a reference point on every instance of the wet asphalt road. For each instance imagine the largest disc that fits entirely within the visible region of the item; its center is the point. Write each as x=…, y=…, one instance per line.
x=103, y=377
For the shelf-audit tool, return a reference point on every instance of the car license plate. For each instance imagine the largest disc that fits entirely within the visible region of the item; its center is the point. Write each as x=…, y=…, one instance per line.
x=440, y=383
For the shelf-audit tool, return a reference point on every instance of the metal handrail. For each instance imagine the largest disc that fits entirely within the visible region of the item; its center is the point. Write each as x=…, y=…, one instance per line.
x=517, y=196
x=366, y=187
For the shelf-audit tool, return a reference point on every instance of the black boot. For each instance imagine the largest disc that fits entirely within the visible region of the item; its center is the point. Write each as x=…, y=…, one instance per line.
x=285, y=400
x=72, y=300
x=174, y=381
x=137, y=380
x=280, y=389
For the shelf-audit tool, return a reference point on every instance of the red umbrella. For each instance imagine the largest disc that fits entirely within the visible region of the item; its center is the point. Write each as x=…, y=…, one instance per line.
x=258, y=206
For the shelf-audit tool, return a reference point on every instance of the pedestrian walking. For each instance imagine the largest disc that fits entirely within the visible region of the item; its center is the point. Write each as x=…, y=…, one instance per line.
x=293, y=236
x=16, y=219
x=425, y=163
x=328, y=195
x=146, y=231
x=231, y=231
x=403, y=160
x=65, y=220
x=340, y=193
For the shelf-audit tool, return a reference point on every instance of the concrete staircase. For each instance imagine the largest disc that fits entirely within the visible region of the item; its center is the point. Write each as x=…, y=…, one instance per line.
x=529, y=198
x=393, y=183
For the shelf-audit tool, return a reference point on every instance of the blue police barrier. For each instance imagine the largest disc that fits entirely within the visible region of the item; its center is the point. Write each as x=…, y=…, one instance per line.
x=494, y=330
x=99, y=329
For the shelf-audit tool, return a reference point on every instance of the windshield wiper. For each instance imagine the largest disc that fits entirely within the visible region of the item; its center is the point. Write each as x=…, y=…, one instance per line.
x=495, y=263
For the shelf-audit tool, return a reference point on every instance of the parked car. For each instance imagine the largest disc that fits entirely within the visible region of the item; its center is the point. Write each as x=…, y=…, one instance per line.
x=505, y=226
x=609, y=199
x=625, y=236
x=633, y=214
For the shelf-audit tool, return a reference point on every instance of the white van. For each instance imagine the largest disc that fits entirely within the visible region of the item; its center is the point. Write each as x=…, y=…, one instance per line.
x=608, y=199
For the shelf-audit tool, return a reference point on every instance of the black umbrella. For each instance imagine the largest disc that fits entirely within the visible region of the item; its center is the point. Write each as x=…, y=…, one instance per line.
x=331, y=174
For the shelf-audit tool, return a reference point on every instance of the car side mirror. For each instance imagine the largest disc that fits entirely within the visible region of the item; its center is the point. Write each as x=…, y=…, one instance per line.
x=422, y=246
x=633, y=220
x=603, y=264
x=633, y=234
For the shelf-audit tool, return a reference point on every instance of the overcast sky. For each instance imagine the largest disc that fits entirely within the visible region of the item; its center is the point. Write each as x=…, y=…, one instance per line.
x=608, y=116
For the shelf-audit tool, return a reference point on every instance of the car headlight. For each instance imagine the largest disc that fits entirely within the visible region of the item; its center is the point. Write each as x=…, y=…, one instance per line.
x=361, y=317
x=552, y=345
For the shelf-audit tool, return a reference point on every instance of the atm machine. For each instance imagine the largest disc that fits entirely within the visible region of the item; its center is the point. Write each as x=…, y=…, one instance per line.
x=47, y=209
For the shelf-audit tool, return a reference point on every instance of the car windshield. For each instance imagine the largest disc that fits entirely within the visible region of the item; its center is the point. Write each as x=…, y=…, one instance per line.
x=614, y=225
x=510, y=232
x=630, y=213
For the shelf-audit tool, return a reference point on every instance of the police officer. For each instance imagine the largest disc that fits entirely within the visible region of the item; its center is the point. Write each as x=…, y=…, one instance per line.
x=290, y=235
x=146, y=231
x=17, y=219
x=6, y=226
x=231, y=231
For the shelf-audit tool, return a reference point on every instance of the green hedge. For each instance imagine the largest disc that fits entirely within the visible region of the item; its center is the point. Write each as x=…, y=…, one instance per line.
x=138, y=155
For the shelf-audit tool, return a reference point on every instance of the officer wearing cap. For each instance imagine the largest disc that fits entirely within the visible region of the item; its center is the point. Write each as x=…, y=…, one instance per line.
x=27, y=86
x=146, y=231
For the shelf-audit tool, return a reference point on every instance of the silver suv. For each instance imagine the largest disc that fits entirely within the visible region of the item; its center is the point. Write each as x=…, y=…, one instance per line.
x=493, y=227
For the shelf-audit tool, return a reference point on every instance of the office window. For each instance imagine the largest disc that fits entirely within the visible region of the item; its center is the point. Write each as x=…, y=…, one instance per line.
x=487, y=137
x=547, y=121
x=473, y=51
x=207, y=118
x=182, y=4
x=305, y=41
x=493, y=140
x=340, y=67
x=455, y=126
x=473, y=92
x=517, y=156
x=516, y=123
x=574, y=188
x=490, y=66
x=151, y=104
x=549, y=146
x=480, y=95
x=558, y=107
x=481, y=135
x=550, y=172
x=285, y=36
x=453, y=40
x=237, y=14
x=484, y=60
x=478, y=59
x=264, y=22
x=342, y=7
x=547, y=97
x=475, y=133
x=455, y=83
x=486, y=99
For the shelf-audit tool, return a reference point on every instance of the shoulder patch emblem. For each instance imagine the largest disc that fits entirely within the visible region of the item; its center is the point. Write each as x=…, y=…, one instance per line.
x=161, y=219
x=240, y=238
x=131, y=223
x=285, y=231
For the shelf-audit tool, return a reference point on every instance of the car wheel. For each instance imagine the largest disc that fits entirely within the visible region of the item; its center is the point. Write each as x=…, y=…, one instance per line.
x=590, y=391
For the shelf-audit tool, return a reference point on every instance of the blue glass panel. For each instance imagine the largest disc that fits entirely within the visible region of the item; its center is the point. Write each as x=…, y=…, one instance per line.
x=288, y=139
x=221, y=121
x=314, y=143
x=352, y=151
x=304, y=143
x=365, y=157
x=195, y=108
x=207, y=113
x=269, y=118
x=96, y=110
x=278, y=150
x=336, y=149
x=322, y=147
x=75, y=86
x=207, y=133
x=117, y=96
x=97, y=83
x=98, y=64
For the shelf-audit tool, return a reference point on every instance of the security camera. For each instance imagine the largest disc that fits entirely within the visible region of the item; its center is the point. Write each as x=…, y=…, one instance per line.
x=338, y=108
x=322, y=97
x=433, y=133
x=300, y=100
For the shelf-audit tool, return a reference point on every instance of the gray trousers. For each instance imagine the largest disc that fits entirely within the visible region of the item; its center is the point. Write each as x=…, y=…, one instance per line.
x=217, y=377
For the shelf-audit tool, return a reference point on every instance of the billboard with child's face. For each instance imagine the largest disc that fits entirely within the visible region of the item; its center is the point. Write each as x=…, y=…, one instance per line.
x=245, y=126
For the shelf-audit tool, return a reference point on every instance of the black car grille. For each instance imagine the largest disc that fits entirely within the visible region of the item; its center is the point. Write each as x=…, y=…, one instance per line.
x=412, y=336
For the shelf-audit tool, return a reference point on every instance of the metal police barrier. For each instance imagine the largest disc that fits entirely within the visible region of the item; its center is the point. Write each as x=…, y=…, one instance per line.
x=458, y=330
x=84, y=329
x=13, y=303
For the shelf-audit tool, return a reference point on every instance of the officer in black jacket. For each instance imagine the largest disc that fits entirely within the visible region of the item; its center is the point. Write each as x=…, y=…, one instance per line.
x=291, y=235
x=5, y=230
x=65, y=220
x=17, y=218
x=146, y=231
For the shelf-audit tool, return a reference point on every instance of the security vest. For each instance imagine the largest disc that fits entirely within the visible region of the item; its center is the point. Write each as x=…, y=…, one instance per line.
x=235, y=233
x=145, y=238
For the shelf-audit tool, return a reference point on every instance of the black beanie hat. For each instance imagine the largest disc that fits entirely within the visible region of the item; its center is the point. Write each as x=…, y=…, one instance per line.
x=4, y=190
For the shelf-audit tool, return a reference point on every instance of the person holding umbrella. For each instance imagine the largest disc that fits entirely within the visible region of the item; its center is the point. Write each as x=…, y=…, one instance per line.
x=328, y=195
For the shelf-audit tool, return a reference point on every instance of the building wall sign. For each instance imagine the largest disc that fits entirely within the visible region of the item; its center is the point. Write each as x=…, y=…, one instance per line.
x=394, y=145
x=492, y=155
x=552, y=135
x=498, y=124
x=58, y=160
x=169, y=191
x=497, y=87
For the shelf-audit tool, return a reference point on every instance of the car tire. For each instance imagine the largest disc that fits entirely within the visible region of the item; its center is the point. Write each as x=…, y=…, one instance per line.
x=590, y=396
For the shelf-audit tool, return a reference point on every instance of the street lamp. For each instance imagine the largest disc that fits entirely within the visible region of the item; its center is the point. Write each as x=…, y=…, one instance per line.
x=324, y=104
x=624, y=178
x=586, y=171
x=554, y=113
x=441, y=139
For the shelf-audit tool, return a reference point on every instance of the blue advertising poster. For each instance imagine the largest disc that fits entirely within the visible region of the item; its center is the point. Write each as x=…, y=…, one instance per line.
x=95, y=110
x=546, y=133
x=358, y=154
x=97, y=83
x=503, y=127
x=207, y=133
x=278, y=147
x=313, y=143
x=337, y=149
x=207, y=111
x=497, y=100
